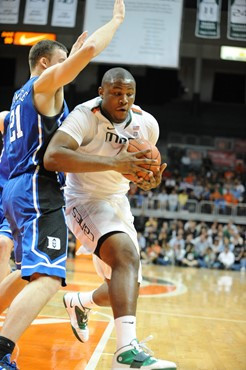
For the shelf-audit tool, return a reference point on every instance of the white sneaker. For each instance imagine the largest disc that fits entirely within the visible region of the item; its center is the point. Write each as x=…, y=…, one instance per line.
x=78, y=315
x=134, y=356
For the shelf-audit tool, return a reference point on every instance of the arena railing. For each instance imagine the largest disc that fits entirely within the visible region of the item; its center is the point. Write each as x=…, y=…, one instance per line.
x=200, y=211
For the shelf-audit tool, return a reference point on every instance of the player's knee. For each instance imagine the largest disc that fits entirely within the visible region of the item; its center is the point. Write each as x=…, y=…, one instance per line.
x=5, y=248
x=128, y=259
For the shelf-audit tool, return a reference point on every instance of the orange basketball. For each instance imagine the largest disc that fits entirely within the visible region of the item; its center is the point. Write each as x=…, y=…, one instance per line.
x=136, y=145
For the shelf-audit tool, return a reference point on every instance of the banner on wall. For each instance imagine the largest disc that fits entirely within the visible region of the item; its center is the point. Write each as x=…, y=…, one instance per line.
x=36, y=12
x=9, y=11
x=208, y=19
x=236, y=28
x=64, y=13
x=222, y=159
x=150, y=34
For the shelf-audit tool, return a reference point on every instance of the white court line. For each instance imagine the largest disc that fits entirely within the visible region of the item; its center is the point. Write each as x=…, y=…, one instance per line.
x=190, y=316
x=102, y=343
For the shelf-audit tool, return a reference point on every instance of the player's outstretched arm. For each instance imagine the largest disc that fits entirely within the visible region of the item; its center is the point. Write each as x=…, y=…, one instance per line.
x=63, y=73
x=3, y=114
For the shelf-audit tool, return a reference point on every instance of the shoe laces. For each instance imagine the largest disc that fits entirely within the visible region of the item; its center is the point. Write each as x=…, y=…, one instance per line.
x=10, y=364
x=142, y=345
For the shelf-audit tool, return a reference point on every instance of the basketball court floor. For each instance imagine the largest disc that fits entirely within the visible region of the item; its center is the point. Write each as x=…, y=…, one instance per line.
x=197, y=318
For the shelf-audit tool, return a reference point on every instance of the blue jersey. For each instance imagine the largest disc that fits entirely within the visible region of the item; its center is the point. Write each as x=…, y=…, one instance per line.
x=29, y=133
x=4, y=167
x=4, y=174
x=32, y=199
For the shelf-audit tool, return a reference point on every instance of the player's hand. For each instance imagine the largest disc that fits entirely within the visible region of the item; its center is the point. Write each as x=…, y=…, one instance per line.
x=130, y=163
x=79, y=43
x=154, y=179
x=119, y=11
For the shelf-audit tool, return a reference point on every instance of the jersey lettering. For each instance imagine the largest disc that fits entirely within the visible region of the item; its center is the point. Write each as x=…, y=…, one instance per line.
x=15, y=125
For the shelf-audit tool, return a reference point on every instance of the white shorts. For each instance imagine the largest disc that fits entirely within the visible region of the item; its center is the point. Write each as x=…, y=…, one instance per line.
x=90, y=220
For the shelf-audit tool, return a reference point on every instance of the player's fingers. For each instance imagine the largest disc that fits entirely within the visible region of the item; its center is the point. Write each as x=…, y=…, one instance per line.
x=141, y=153
x=163, y=167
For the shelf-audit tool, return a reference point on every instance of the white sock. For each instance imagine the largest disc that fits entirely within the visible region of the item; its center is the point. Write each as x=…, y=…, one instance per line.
x=86, y=299
x=125, y=327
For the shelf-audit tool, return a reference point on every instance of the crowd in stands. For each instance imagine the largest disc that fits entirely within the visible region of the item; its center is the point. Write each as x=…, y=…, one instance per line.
x=191, y=243
x=221, y=188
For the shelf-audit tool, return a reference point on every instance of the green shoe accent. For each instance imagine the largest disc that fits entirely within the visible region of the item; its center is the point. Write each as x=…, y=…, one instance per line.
x=82, y=317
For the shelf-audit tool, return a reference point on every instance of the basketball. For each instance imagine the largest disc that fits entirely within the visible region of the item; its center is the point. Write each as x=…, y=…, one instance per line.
x=136, y=145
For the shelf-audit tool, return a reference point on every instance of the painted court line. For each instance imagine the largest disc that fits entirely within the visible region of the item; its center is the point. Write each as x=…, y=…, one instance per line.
x=102, y=343
x=192, y=316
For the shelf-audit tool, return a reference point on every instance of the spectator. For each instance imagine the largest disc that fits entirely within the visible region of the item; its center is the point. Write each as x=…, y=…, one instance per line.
x=208, y=259
x=190, y=258
x=226, y=259
x=182, y=199
x=173, y=201
x=240, y=260
x=162, y=199
x=179, y=253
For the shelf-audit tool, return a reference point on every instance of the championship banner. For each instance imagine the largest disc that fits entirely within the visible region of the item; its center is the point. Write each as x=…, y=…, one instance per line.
x=9, y=11
x=36, y=12
x=236, y=28
x=208, y=19
x=64, y=13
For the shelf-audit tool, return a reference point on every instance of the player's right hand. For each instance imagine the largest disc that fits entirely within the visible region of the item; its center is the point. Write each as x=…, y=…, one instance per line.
x=130, y=163
x=119, y=11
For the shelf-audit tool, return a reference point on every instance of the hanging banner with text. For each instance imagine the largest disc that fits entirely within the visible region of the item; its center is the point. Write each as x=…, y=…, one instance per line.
x=236, y=29
x=9, y=11
x=36, y=12
x=149, y=36
x=208, y=19
x=64, y=13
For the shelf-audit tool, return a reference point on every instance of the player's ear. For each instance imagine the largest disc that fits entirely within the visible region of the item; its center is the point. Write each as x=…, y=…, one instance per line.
x=100, y=91
x=44, y=62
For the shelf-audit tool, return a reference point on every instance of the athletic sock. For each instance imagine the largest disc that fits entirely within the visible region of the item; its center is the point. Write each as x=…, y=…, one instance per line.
x=125, y=327
x=6, y=346
x=86, y=299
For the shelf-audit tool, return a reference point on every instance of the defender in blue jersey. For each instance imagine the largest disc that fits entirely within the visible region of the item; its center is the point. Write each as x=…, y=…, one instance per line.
x=6, y=238
x=32, y=197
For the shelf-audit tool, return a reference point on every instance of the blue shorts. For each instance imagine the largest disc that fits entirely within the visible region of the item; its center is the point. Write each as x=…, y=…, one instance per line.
x=34, y=208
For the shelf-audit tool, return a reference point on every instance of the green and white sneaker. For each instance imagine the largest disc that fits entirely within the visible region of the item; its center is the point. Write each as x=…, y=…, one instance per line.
x=78, y=315
x=136, y=356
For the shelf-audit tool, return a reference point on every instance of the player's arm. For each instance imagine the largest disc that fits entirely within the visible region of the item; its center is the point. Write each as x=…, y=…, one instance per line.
x=3, y=114
x=61, y=155
x=63, y=73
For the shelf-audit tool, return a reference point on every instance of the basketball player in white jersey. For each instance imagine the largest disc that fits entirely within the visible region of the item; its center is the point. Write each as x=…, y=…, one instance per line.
x=98, y=211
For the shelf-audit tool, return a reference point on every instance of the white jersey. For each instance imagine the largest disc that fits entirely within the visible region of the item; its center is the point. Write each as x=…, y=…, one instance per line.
x=96, y=135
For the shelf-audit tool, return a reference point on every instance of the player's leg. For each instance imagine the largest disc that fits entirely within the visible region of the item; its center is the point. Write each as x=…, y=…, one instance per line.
x=119, y=252
x=6, y=245
x=9, y=288
x=79, y=305
x=42, y=250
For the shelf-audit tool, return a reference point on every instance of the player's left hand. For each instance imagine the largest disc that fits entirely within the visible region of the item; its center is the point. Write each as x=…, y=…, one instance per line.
x=154, y=180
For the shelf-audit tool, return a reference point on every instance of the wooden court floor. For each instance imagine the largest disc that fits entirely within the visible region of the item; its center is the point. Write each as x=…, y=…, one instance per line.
x=197, y=318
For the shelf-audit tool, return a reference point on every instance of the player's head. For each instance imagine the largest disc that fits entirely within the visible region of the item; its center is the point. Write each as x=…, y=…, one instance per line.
x=117, y=90
x=46, y=53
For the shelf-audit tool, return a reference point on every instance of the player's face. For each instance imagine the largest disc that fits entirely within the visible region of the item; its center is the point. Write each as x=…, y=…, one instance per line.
x=58, y=56
x=117, y=99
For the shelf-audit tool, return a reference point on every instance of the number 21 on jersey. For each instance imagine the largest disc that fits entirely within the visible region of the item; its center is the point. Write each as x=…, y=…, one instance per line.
x=15, y=124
